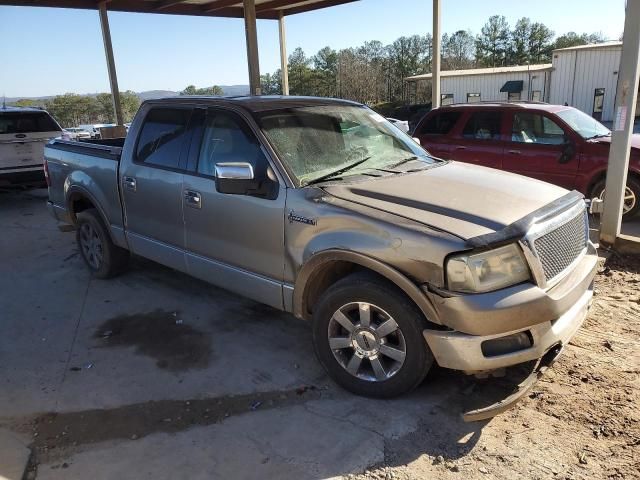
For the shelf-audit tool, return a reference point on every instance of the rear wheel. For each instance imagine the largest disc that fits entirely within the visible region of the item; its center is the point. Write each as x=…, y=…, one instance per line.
x=101, y=255
x=631, y=204
x=368, y=336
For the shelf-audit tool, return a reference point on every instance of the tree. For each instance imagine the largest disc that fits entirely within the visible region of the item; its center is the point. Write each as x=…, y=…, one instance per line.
x=572, y=39
x=458, y=50
x=193, y=90
x=300, y=73
x=325, y=64
x=271, y=83
x=540, y=44
x=520, y=40
x=492, y=44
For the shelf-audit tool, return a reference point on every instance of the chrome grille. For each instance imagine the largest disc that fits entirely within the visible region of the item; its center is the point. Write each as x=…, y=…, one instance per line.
x=559, y=248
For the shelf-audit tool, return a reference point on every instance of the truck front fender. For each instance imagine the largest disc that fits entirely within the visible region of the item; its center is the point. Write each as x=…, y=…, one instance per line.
x=317, y=264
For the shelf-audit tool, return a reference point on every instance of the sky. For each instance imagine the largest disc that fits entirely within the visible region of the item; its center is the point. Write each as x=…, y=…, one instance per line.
x=46, y=51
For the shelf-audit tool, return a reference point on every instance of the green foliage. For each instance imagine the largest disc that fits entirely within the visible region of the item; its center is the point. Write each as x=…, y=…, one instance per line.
x=492, y=45
x=72, y=109
x=271, y=83
x=193, y=90
x=572, y=39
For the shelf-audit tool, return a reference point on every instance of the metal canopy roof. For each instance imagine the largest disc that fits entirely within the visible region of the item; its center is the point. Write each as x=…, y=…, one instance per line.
x=265, y=9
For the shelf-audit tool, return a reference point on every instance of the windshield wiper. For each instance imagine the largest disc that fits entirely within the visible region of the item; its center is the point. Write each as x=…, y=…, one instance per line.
x=338, y=172
x=404, y=160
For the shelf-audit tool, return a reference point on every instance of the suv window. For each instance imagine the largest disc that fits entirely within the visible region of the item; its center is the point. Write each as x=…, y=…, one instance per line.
x=27, y=122
x=440, y=124
x=162, y=136
x=227, y=138
x=483, y=126
x=536, y=128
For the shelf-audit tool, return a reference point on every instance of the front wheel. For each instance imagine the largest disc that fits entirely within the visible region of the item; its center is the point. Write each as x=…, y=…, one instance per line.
x=368, y=336
x=631, y=204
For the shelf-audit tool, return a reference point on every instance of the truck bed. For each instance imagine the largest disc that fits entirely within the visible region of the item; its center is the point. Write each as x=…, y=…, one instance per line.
x=109, y=148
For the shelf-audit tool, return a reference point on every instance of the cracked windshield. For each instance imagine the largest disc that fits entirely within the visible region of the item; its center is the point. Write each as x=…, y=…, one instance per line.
x=329, y=141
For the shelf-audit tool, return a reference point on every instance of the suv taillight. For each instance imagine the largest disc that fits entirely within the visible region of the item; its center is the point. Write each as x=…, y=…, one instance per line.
x=46, y=172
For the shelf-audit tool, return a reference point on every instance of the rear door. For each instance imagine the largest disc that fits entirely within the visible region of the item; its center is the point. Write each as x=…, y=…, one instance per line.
x=479, y=139
x=536, y=148
x=23, y=135
x=433, y=131
x=233, y=241
x=152, y=185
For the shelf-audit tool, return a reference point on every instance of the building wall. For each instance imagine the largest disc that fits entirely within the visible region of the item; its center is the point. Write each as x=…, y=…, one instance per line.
x=577, y=73
x=489, y=85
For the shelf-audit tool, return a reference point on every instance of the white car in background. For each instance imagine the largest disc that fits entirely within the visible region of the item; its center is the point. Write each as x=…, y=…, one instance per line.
x=401, y=124
x=23, y=135
x=75, y=133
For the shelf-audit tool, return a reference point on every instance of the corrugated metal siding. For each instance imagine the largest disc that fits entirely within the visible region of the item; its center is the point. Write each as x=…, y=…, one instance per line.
x=578, y=73
x=488, y=86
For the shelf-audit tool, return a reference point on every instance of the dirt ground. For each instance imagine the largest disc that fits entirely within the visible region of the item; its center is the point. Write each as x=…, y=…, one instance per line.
x=582, y=419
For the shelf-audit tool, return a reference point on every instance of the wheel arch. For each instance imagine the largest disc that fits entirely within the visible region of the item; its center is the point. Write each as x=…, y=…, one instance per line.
x=79, y=199
x=323, y=269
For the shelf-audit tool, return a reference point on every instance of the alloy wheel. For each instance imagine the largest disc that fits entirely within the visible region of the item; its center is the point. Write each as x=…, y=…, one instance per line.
x=366, y=341
x=91, y=245
x=629, y=199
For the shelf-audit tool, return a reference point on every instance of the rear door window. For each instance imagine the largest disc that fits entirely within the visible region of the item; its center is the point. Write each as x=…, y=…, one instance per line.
x=440, y=123
x=162, y=137
x=27, y=122
x=483, y=126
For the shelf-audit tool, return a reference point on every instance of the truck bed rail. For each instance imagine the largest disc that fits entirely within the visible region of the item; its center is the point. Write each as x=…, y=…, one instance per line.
x=104, y=151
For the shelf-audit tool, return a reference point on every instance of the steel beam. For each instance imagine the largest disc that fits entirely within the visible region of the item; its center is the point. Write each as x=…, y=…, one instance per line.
x=626, y=95
x=111, y=65
x=284, y=67
x=435, y=56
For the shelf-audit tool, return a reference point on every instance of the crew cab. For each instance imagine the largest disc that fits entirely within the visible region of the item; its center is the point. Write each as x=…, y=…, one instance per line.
x=23, y=134
x=554, y=143
x=320, y=207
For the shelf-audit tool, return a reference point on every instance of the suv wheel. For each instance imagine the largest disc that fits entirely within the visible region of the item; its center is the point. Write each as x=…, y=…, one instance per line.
x=368, y=336
x=631, y=204
x=101, y=255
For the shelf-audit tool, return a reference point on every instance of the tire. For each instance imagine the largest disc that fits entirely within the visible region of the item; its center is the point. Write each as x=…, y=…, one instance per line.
x=102, y=257
x=633, y=189
x=384, y=300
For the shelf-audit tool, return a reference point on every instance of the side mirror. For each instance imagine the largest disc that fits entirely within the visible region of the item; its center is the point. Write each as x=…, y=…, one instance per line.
x=568, y=152
x=239, y=178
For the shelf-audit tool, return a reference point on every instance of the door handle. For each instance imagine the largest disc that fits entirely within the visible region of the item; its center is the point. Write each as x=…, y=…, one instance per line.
x=129, y=183
x=460, y=147
x=514, y=152
x=193, y=199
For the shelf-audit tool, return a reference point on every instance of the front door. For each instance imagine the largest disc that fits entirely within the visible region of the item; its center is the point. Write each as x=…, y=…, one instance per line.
x=152, y=187
x=233, y=241
x=536, y=149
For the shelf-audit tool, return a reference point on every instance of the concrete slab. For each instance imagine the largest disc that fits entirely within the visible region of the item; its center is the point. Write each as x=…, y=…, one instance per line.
x=14, y=456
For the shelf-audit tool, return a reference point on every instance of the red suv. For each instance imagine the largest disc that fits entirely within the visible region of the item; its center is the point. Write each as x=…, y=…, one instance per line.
x=554, y=143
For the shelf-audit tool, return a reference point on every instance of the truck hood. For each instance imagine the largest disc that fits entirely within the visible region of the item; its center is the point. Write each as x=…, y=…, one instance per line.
x=635, y=140
x=464, y=200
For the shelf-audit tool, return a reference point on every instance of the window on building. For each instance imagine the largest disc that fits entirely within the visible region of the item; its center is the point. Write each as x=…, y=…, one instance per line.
x=162, y=136
x=473, y=97
x=440, y=123
x=536, y=96
x=536, y=128
x=226, y=138
x=513, y=96
x=446, y=99
x=483, y=126
x=598, y=103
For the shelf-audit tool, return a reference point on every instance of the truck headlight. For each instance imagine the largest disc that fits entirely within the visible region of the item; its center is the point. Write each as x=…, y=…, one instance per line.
x=487, y=271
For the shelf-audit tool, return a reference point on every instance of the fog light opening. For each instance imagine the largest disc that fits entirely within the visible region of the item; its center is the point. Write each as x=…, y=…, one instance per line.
x=509, y=344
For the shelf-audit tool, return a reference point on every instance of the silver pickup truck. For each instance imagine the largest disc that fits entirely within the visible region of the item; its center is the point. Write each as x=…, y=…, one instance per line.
x=323, y=208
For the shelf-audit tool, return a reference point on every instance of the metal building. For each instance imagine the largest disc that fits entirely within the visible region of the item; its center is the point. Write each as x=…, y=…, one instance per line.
x=528, y=82
x=584, y=77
